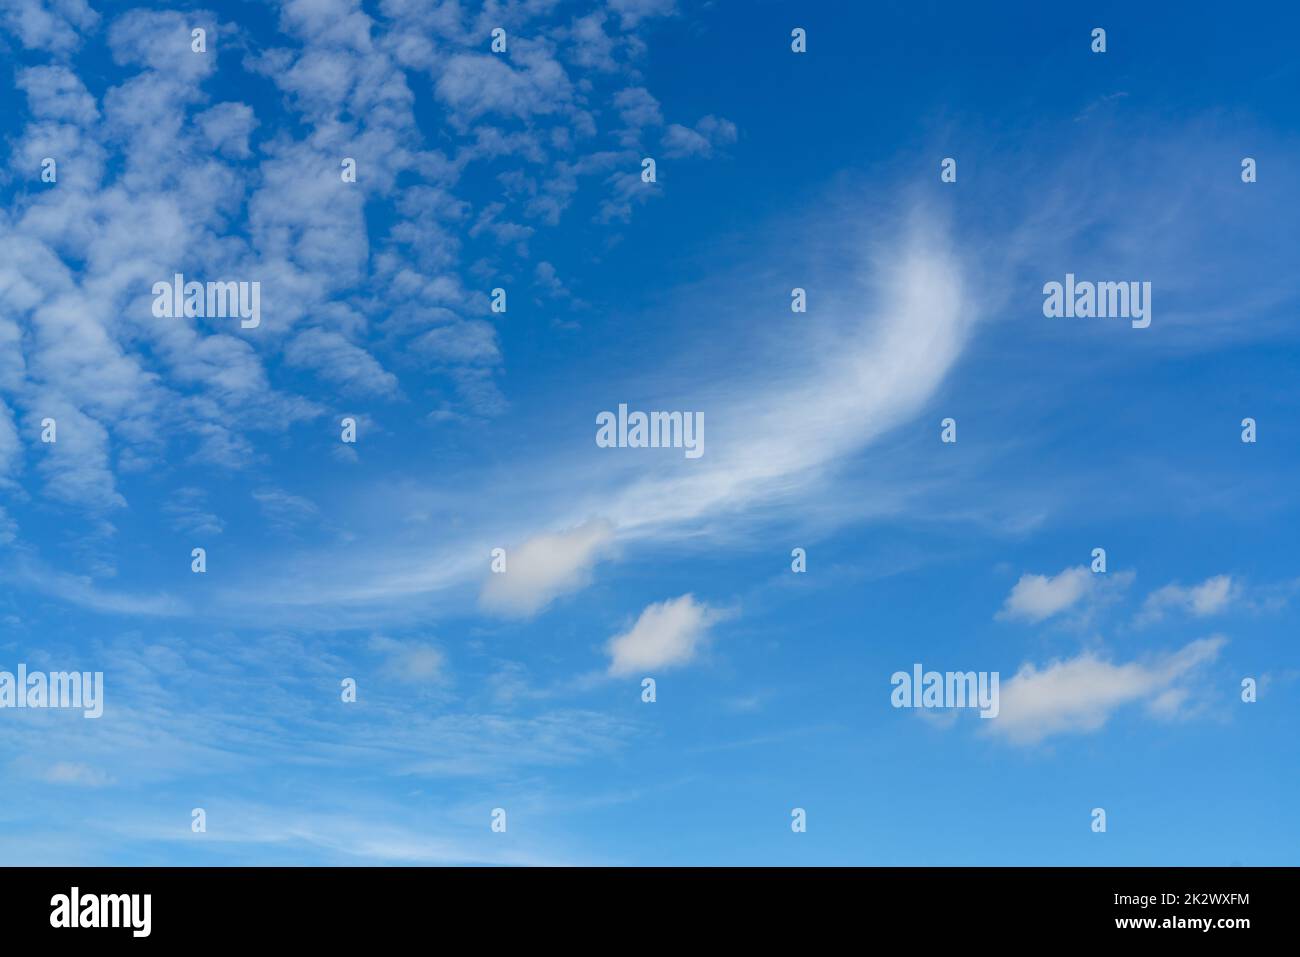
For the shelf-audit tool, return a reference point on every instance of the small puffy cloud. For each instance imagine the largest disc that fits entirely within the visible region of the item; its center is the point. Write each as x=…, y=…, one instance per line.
x=160, y=40
x=76, y=470
x=709, y=133
x=409, y=660
x=1208, y=598
x=474, y=84
x=633, y=11
x=56, y=93
x=503, y=231
x=1079, y=695
x=52, y=25
x=667, y=633
x=589, y=46
x=549, y=280
x=626, y=190
x=545, y=567
x=682, y=141
x=468, y=341
x=639, y=110
x=327, y=22
x=227, y=127
x=338, y=361
x=1038, y=597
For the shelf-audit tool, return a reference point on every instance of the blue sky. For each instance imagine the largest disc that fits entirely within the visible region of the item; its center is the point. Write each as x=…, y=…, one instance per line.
x=521, y=170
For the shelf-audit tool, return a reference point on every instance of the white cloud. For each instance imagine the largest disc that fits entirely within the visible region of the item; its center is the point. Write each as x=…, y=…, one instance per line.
x=190, y=513
x=474, y=84
x=589, y=46
x=549, y=280
x=1208, y=598
x=68, y=772
x=710, y=132
x=470, y=341
x=56, y=93
x=545, y=567
x=627, y=189
x=82, y=591
x=335, y=359
x=634, y=10
x=409, y=660
x=667, y=633
x=639, y=109
x=161, y=175
x=1079, y=695
x=76, y=468
x=51, y=25
x=1038, y=597
x=160, y=40
x=790, y=421
x=227, y=127
x=284, y=511
x=871, y=372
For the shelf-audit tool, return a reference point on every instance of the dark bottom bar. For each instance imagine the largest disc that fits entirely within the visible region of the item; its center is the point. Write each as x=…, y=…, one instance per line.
x=334, y=906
